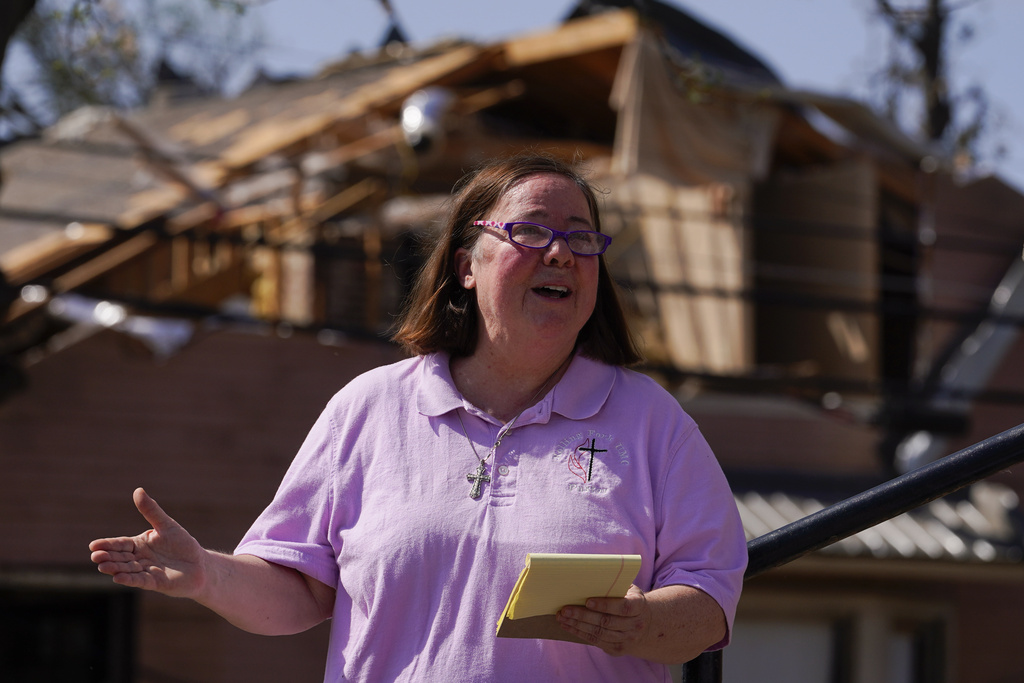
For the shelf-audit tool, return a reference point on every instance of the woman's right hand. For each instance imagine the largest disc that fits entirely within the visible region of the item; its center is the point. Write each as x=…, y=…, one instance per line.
x=165, y=558
x=251, y=593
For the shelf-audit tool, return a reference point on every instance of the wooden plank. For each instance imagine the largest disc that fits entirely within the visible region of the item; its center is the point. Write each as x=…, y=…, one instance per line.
x=207, y=212
x=289, y=135
x=346, y=199
x=610, y=29
x=271, y=137
x=447, y=69
x=161, y=162
x=149, y=204
x=395, y=85
x=34, y=259
x=210, y=289
x=364, y=146
x=489, y=97
x=119, y=255
x=393, y=135
x=98, y=266
x=296, y=229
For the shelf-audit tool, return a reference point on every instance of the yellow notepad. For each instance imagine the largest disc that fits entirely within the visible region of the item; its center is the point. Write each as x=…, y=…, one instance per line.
x=550, y=581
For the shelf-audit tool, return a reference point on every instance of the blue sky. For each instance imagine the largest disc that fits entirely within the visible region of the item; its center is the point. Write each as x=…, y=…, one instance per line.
x=822, y=45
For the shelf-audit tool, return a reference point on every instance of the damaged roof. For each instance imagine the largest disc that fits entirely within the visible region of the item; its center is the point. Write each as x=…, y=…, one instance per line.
x=978, y=526
x=692, y=39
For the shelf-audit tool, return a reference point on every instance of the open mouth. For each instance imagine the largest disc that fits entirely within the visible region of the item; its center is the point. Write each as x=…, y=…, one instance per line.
x=552, y=291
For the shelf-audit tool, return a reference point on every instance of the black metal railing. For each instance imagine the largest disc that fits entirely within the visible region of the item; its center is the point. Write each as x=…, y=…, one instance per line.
x=865, y=510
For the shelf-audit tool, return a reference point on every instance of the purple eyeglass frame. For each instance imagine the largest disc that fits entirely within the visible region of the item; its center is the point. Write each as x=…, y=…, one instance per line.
x=507, y=227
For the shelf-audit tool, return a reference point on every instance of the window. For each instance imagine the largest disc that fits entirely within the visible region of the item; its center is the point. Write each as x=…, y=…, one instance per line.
x=834, y=638
x=794, y=650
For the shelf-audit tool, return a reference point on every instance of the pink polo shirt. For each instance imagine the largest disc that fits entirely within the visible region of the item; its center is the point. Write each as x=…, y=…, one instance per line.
x=376, y=504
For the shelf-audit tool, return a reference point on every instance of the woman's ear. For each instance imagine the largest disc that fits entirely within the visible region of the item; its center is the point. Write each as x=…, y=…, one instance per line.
x=464, y=267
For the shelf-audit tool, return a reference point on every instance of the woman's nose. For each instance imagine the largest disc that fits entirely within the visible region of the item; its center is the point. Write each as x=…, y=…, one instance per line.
x=559, y=253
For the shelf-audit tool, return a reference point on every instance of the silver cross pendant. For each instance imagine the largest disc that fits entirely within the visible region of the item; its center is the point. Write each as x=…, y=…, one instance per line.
x=478, y=480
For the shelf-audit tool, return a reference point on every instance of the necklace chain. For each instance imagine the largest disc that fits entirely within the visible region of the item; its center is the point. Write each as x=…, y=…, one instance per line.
x=480, y=476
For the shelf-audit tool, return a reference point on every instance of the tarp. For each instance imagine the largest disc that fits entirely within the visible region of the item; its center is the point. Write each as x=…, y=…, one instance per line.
x=687, y=166
x=681, y=134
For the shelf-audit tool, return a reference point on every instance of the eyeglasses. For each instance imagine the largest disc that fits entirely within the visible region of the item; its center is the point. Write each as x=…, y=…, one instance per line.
x=537, y=236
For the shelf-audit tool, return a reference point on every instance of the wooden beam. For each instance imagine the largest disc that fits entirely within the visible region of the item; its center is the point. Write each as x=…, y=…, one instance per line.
x=489, y=97
x=243, y=216
x=393, y=135
x=346, y=199
x=209, y=289
x=103, y=263
x=447, y=69
x=38, y=257
x=388, y=91
x=294, y=229
x=77, y=277
x=609, y=29
x=150, y=204
x=269, y=138
x=161, y=162
x=206, y=212
x=368, y=145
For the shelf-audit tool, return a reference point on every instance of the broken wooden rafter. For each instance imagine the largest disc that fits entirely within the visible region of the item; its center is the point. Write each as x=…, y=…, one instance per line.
x=224, y=273
x=296, y=229
x=590, y=34
x=343, y=119
x=388, y=92
x=34, y=259
x=489, y=97
x=163, y=163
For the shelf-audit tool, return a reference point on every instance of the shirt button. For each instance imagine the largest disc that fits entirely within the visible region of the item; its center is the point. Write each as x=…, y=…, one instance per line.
x=503, y=470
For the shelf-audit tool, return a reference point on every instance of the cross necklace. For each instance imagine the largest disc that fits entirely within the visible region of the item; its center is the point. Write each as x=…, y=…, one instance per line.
x=480, y=477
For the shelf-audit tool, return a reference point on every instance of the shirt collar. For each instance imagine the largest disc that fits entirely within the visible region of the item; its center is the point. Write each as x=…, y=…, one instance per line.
x=580, y=393
x=436, y=393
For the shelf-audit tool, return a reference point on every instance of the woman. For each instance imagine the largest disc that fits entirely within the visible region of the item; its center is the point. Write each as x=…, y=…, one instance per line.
x=410, y=508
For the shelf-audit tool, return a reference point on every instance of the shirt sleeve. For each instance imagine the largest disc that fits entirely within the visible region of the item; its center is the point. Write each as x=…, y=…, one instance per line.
x=700, y=540
x=294, y=530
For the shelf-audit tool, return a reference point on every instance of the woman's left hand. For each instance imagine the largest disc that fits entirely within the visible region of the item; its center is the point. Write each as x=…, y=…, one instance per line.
x=671, y=624
x=615, y=625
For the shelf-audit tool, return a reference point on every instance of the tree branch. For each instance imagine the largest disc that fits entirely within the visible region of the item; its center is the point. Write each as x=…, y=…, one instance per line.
x=12, y=13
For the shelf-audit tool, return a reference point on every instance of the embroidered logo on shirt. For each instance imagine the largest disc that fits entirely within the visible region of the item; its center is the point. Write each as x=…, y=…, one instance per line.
x=577, y=467
x=592, y=459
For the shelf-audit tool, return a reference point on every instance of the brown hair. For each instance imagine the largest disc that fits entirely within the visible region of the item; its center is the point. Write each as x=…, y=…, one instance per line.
x=440, y=315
